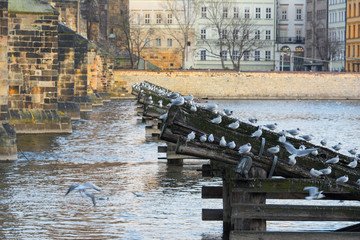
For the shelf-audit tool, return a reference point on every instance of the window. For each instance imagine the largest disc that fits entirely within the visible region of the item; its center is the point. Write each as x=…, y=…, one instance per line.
x=235, y=55
x=158, y=18
x=267, y=55
x=169, y=42
x=170, y=18
x=147, y=18
x=158, y=42
x=257, y=56
x=224, y=33
x=246, y=34
x=298, y=34
x=268, y=13
x=309, y=16
x=225, y=12
x=268, y=34
x=236, y=12
x=203, y=55
x=257, y=34
x=283, y=14
x=236, y=34
x=257, y=12
x=147, y=42
x=298, y=14
x=247, y=12
x=223, y=55
x=246, y=55
x=203, y=34
x=203, y=12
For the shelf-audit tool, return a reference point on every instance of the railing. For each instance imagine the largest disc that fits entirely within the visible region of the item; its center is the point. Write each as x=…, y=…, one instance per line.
x=300, y=40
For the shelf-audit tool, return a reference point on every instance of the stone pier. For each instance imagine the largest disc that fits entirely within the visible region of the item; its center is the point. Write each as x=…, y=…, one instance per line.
x=8, y=147
x=34, y=68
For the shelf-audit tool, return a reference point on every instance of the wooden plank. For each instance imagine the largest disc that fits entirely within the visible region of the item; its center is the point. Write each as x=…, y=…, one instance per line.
x=294, y=185
x=252, y=235
x=212, y=214
x=173, y=155
x=296, y=212
x=162, y=149
x=211, y=192
x=352, y=228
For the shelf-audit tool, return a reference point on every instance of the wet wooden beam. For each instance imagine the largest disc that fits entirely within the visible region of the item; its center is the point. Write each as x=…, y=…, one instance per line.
x=311, y=235
x=212, y=214
x=295, y=212
x=211, y=192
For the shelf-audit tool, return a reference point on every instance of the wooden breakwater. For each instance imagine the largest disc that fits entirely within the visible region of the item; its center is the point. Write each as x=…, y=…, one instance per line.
x=248, y=178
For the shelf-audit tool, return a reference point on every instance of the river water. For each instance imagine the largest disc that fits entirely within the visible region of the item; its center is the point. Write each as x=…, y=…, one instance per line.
x=142, y=197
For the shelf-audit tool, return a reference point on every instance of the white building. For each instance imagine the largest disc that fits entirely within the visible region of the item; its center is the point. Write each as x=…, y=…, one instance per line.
x=290, y=37
x=336, y=31
x=261, y=14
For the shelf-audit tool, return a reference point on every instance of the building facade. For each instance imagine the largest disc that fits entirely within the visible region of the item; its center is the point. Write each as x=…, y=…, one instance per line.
x=317, y=43
x=290, y=35
x=254, y=36
x=353, y=36
x=336, y=29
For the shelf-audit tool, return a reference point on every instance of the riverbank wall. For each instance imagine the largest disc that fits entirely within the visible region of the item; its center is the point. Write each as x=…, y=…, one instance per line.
x=248, y=85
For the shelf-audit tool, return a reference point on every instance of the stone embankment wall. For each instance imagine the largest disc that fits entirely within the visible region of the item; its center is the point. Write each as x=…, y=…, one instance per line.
x=249, y=85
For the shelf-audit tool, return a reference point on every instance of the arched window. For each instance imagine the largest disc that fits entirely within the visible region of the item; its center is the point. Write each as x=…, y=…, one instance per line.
x=285, y=58
x=299, y=58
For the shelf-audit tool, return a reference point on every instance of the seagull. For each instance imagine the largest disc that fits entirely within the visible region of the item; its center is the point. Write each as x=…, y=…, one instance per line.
x=216, y=120
x=326, y=171
x=164, y=116
x=299, y=152
x=190, y=136
x=211, y=138
x=252, y=119
x=234, y=125
x=231, y=145
x=342, y=179
x=358, y=182
x=271, y=126
x=211, y=107
x=228, y=112
x=178, y=101
x=174, y=95
x=323, y=142
x=293, y=132
x=193, y=108
x=282, y=139
x=313, y=193
x=189, y=98
x=257, y=133
x=333, y=160
x=315, y=173
x=245, y=148
x=222, y=142
x=307, y=137
x=160, y=103
x=337, y=147
x=292, y=160
x=274, y=150
x=353, y=151
x=203, y=138
x=353, y=164
x=81, y=188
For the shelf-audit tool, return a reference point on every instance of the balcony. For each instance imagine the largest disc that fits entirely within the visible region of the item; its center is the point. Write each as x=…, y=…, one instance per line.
x=298, y=40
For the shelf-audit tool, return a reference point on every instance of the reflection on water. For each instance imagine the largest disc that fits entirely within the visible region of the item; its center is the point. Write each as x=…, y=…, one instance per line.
x=143, y=197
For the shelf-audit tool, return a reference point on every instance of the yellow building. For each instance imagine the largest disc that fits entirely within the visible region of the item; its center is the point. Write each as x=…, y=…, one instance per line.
x=353, y=36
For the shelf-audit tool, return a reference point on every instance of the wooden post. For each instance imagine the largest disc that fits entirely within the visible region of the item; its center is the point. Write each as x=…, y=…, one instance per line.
x=248, y=197
x=226, y=209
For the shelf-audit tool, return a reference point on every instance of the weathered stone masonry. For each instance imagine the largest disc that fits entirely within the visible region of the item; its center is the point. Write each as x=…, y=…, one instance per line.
x=8, y=147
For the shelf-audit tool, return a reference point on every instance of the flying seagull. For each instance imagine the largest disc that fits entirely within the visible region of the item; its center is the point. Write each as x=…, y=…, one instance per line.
x=313, y=193
x=81, y=188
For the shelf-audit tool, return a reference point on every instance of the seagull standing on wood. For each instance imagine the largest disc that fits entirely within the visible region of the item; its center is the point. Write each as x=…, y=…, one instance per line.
x=245, y=148
x=292, y=160
x=190, y=136
x=234, y=125
x=231, y=145
x=337, y=147
x=293, y=132
x=315, y=173
x=353, y=164
x=257, y=133
x=326, y=171
x=216, y=120
x=252, y=119
x=353, y=151
x=222, y=142
x=211, y=138
x=274, y=150
x=333, y=160
x=342, y=179
x=81, y=188
x=323, y=142
x=228, y=112
x=271, y=126
x=203, y=138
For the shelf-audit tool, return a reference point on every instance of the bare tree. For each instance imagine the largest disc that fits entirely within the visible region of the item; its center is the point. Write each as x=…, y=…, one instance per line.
x=90, y=11
x=136, y=36
x=184, y=13
x=236, y=34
